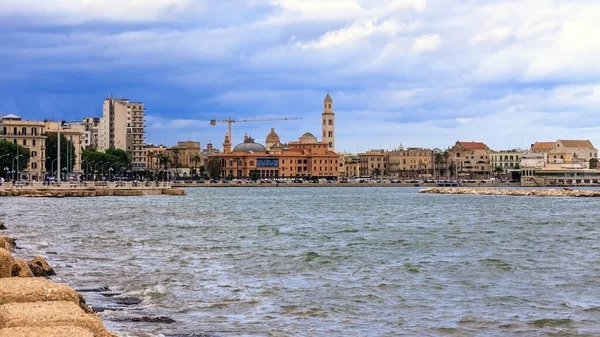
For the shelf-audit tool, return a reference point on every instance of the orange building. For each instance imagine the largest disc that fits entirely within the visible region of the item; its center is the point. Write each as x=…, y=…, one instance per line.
x=304, y=158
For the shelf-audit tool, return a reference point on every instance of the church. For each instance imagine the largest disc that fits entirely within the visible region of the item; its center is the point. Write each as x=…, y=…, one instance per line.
x=305, y=158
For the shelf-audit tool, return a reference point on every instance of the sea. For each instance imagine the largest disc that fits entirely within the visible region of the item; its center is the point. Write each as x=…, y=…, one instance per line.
x=295, y=261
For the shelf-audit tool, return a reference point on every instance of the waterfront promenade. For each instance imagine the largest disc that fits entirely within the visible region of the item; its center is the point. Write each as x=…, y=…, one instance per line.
x=89, y=189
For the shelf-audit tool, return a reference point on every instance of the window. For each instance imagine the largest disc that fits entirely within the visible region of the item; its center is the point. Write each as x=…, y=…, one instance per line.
x=23, y=131
x=323, y=134
x=331, y=122
x=33, y=141
x=324, y=122
x=34, y=165
x=25, y=142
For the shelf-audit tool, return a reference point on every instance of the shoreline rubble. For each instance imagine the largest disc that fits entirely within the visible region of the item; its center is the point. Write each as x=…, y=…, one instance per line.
x=38, y=307
x=565, y=192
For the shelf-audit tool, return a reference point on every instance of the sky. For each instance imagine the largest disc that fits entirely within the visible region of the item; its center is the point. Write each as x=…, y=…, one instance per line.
x=417, y=73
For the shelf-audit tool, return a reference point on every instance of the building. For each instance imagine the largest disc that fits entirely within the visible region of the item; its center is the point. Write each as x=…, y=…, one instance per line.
x=373, y=163
x=508, y=160
x=410, y=163
x=122, y=127
x=469, y=159
x=89, y=128
x=186, y=155
x=560, y=163
x=74, y=137
x=305, y=158
x=30, y=135
x=153, y=153
x=328, y=122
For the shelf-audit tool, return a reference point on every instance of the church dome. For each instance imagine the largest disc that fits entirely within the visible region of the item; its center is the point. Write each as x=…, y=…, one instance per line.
x=308, y=138
x=249, y=146
x=272, y=137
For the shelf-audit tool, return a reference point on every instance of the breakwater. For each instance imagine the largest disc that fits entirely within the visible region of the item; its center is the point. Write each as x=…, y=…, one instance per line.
x=88, y=190
x=514, y=192
x=34, y=306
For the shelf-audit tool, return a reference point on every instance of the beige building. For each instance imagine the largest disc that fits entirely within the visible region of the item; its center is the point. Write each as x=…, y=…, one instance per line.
x=31, y=135
x=152, y=154
x=74, y=137
x=410, y=162
x=566, y=151
x=508, y=160
x=122, y=127
x=372, y=161
x=186, y=154
x=469, y=159
x=89, y=128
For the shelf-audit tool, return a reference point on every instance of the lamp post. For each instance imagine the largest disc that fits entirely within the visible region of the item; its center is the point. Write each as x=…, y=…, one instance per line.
x=96, y=171
x=13, y=165
x=4, y=155
x=103, y=169
x=52, y=166
x=87, y=170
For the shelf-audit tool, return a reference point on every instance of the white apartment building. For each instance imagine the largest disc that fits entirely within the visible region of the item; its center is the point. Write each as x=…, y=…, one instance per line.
x=507, y=159
x=122, y=127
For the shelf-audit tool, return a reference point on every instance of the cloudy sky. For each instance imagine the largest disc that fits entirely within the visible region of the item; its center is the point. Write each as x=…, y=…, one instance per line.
x=413, y=72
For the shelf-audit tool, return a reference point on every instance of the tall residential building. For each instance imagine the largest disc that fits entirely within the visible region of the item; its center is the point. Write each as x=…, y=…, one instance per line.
x=122, y=127
x=31, y=135
x=328, y=120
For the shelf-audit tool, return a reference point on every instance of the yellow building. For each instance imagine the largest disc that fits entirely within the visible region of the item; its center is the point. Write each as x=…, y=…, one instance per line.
x=411, y=162
x=469, y=159
x=373, y=163
x=152, y=156
x=186, y=154
x=31, y=135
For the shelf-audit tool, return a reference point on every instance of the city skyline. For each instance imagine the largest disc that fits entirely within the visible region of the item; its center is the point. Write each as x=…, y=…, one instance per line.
x=412, y=72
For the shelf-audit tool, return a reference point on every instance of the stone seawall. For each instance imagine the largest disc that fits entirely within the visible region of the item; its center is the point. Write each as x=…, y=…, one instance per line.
x=38, y=307
x=87, y=192
x=513, y=192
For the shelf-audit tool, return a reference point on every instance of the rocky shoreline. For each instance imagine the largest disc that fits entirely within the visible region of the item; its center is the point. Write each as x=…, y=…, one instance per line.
x=32, y=305
x=565, y=192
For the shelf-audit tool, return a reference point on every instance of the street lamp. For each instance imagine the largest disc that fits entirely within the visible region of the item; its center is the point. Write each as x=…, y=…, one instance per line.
x=96, y=171
x=87, y=170
x=103, y=169
x=4, y=155
x=13, y=164
x=52, y=166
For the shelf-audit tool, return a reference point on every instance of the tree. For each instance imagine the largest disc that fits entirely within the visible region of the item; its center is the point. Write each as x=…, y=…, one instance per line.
x=151, y=155
x=121, y=155
x=8, y=152
x=214, y=167
x=499, y=170
x=196, y=159
x=593, y=163
x=164, y=160
x=254, y=175
x=67, y=153
x=202, y=171
x=376, y=172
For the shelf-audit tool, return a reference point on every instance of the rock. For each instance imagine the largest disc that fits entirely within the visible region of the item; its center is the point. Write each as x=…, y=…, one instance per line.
x=6, y=260
x=127, y=300
x=83, y=305
x=159, y=319
x=20, y=290
x=39, y=263
x=2, y=227
x=93, y=290
x=20, y=269
x=7, y=243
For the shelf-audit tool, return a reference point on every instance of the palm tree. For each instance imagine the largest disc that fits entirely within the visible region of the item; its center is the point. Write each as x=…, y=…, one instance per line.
x=499, y=170
x=176, y=159
x=151, y=155
x=196, y=159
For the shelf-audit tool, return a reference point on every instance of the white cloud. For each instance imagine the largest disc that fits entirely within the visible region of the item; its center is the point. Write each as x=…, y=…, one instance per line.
x=351, y=34
x=426, y=43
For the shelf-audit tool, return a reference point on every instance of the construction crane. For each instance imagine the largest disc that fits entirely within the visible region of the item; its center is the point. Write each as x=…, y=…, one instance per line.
x=230, y=121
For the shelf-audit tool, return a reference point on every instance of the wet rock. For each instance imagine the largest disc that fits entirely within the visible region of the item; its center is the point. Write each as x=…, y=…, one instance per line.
x=110, y=294
x=2, y=227
x=40, y=267
x=52, y=253
x=191, y=335
x=82, y=304
x=20, y=269
x=147, y=319
x=93, y=290
x=127, y=300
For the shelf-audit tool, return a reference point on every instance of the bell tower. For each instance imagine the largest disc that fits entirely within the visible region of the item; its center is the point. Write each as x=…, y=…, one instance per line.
x=328, y=123
x=226, y=144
